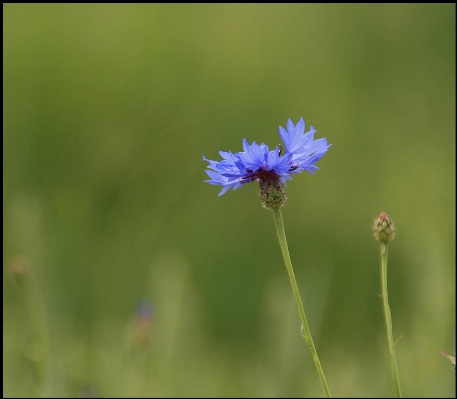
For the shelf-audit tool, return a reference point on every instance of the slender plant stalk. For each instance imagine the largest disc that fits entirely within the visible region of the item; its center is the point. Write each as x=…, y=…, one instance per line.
x=37, y=349
x=305, y=331
x=388, y=318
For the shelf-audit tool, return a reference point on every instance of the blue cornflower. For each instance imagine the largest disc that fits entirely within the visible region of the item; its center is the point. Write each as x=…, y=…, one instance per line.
x=270, y=168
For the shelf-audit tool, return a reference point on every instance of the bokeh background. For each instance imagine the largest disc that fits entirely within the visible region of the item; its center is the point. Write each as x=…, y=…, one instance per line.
x=126, y=275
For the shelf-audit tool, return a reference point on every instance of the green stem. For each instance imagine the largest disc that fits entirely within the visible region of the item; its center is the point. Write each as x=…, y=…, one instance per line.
x=387, y=315
x=305, y=329
x=37, y=350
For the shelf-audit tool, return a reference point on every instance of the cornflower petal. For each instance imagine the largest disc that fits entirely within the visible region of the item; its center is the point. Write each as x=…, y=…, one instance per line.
x=293, y=137
x=272, y=158
x=253, y=155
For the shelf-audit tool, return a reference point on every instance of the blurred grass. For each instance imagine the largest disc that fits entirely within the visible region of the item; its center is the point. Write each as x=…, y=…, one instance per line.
x=107, y=110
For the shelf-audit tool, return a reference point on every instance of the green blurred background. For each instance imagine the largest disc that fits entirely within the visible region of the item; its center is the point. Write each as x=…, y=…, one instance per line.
x=107, y=111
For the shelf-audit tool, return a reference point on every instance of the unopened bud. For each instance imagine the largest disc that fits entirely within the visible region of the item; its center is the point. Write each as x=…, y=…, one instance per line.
x=384, y=228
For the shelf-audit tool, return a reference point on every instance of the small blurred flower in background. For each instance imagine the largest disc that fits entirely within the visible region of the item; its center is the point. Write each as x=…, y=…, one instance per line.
x=142, y=323
x=18, y=266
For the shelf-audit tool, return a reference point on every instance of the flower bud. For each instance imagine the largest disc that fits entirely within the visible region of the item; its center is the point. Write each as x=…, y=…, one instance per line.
x=384, y=228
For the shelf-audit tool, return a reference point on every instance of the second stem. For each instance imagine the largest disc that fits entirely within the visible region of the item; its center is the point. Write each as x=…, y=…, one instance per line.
x=388, y=318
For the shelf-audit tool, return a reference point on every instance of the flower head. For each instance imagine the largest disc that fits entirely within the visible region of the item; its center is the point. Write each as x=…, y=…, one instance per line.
x=270, y=168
